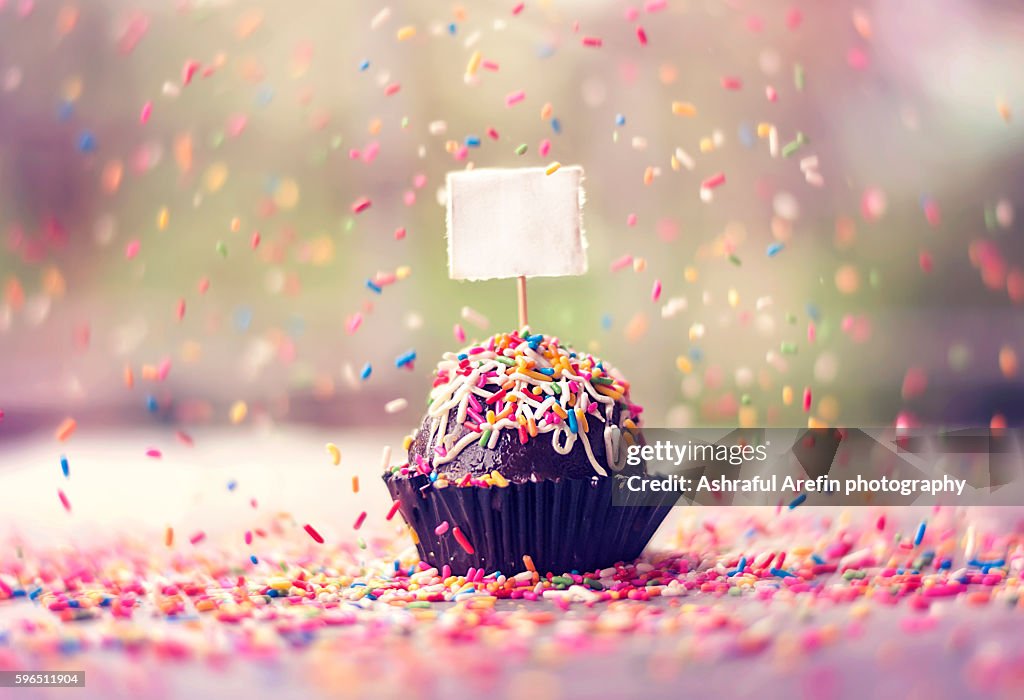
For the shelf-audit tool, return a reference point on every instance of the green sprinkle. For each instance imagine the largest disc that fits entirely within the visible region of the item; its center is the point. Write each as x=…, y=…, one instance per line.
x=851, y=574
x=791, y=148
x=419, y=604
x=556, y=388
x=222, y=249
x=746, y=400
x=562, y=580
x=990, y=218
x=520, y=149
x=787, y=348
x=602, y=380
x=484, y=437
x=594, y=584
x=735, y=260
x=505, y=360
x=405, y=122
x=798, y=76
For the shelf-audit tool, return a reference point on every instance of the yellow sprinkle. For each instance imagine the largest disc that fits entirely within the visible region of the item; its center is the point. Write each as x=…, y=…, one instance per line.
x=553, y=168
x=628, y=437
x=748, y=416
x=628, y=423
x=763, y=129
x=474, y=63
x=706, y=145
x=491, y=418
x=239, y=410
x=684, y=109
x=787, y=395
x=499, y=480
x=163, y=217
x=608, y=391
x=559, y=411
x=403, y=272
x=684, y=365
x=581, y=416
x=531, y=427
x=675, y=163
x=407, y=32
x=335, y=453
x=406, y=443
x=415, y=537
x=690, y=274
x=648, y=175
x=546, y=111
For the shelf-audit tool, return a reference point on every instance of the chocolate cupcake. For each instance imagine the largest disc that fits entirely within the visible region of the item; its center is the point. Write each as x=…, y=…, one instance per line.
x=515, y=463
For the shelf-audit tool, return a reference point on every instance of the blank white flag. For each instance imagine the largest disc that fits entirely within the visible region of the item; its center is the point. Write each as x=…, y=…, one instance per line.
x=514, y=222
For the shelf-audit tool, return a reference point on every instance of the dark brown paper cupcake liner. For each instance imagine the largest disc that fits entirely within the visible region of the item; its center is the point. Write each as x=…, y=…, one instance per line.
x=565, y=525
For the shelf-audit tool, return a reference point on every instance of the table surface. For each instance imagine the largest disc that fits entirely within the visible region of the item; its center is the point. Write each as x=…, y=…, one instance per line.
x=697, y=645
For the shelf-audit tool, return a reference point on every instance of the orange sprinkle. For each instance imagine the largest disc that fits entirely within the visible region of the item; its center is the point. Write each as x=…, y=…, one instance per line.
x=66, y=429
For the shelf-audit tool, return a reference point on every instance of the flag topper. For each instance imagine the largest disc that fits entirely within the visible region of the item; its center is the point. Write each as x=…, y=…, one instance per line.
x=516, y=222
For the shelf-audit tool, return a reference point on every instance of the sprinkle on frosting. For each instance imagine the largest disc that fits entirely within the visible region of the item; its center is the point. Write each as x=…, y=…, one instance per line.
x=530, y=384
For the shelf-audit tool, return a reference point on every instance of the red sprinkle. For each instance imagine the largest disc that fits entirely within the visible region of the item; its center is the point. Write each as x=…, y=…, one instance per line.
x=393, y=510
x=359, y=521
x=317, y=537
x=64, y=500
x=361, y=205
x=463, y=542
x=197, y=538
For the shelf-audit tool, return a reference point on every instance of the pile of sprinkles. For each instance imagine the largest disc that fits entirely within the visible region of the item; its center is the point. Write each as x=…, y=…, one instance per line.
x=531, y=384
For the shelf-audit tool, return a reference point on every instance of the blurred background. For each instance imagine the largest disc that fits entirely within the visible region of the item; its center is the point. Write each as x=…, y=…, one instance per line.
x=178, y=183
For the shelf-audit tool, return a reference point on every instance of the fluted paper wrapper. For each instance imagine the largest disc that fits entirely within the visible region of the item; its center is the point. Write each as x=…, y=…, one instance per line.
x=564, y=525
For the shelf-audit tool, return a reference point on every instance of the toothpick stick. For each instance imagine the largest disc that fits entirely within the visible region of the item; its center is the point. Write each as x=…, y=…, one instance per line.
x=521, y=294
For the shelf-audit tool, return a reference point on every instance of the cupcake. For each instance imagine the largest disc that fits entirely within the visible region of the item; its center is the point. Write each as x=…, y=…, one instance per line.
x=517, y=460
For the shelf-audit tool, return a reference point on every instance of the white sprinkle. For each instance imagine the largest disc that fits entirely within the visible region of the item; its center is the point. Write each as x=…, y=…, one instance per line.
x=475, y=317
x=395, y=406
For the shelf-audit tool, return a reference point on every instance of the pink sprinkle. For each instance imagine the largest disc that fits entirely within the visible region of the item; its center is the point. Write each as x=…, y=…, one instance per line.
x=392, y=89
x=359, y=521
x=147, y=112
x=621, y=263
x=857, y=59
x=492, y=133
x=204, y=285
x=514, y=98
x=393, y=510
x=254, y=242
x=154, y=453
x=189, y=71
x=924, y=259
x=163, y=369
x=770, y=93
x=656, y=291
x=64, y=500
x=592, y=41
x=713, y=182
x=641, y=36
x=419, y=180
x=544, y=148
x=371, y=151
x=631, y=13
x=812, y=332
x=184, y=438
x=441, y=529
x=361, y=205
x=317, y=537
x=409, y=198
x=631, y=220
x=462, y=153
x=237, y=124
x=518, y=8
x=399, y=233
x=180, y=313
x=132, y=249
x=731, y=83
x=460, y=333
x=489, y=65
x=248, y=536
x=653, y=6
x=197, y=538
x=354, y=154
x=794, y=18
x=807, y=399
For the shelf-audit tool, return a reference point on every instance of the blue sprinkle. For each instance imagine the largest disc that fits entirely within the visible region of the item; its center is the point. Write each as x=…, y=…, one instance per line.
x=73, y=604
x=253, y=559
x=151, y=404
x=371, y=285
x=64, y=467
x=398, y=566
x=746, y=135
x=535, y=338
x=86, y=142
x=232, y=485
x=620, y=120
x=34, y=593
x=265, y=96
x=781, y=573
x=696, y=354
x=463, y=356
x=606, y=322
x=946, y=564
x=273, y=593
x=473, y=141
x=403, y=360
x=546, y=370
x=452, y=28
x=365, y=64
x=797, y=501
x=242, y=318
x=774, y=249
x=572, y=421
x=65, y=110
x=817, y=560
x=366, y=371
x=556, y=125
x=813, y=312
x=920, y=533
x=739, y=567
